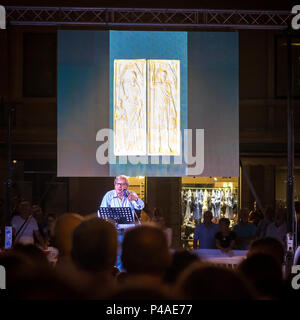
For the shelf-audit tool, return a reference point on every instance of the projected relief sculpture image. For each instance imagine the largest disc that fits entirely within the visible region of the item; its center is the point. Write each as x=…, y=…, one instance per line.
x=130, y=109
x=164, y=107
x=160, y=76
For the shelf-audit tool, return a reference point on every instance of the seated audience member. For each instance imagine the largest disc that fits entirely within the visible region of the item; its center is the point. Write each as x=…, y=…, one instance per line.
x=204, y=234
x=94, y=252
x=41, y=221
x=30, y=277
x=202, y=281
x=16, y=200
x=33, y=253
x=145, y=252
x=90, y=216
x=143, y=289
x=255, y=216
x=270, y=246
x=181, y=259
x=145, y=215
x=62, y=240
x=265, y=273
x=289, y=292
x=51, y=220
x=297, y=209
x=161, y=222
x=278, y=228
x=63, y=234
x=25, y=226
x=225, y=238
x=263, y=224
x=244, y=230
x=155, y=214
x=2, y=228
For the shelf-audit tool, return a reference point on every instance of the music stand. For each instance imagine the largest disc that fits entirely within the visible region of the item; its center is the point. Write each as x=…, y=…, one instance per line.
x=121, y=216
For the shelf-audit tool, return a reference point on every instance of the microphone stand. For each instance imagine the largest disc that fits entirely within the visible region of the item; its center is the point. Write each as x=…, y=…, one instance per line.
x=132, y=207
x=137, y=218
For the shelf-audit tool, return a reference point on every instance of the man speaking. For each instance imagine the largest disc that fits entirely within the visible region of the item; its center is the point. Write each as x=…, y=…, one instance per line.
x=121, y=197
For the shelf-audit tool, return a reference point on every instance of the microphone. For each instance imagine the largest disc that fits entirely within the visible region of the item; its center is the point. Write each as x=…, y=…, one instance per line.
x=125, y=193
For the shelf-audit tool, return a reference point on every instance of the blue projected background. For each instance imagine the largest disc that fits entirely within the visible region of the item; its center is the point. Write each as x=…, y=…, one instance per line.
x=208, y=96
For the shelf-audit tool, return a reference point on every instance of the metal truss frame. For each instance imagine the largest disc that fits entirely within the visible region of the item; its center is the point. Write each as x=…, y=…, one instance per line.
x=136, y=17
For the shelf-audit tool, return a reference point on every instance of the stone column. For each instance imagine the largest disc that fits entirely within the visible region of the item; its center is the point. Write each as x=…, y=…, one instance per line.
x=164, y=193
x=85, y=194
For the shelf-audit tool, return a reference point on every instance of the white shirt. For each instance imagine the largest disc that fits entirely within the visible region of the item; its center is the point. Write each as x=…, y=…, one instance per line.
x=111, y=199
x=26, y=234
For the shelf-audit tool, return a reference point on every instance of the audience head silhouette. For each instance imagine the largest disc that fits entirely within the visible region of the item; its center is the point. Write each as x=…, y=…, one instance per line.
x=63, y=232
x=145, y=250
x=95, y=245
x=209, y=282
x=268, y=245
x=265, y=273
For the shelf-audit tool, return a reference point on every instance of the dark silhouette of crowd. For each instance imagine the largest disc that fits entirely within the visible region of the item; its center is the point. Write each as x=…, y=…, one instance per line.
x=239, y=233
x=87, y=252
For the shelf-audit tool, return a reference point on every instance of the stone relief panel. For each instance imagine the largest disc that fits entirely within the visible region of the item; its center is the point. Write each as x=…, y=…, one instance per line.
x=133, y=110
x=130, y=107
x=164, y=107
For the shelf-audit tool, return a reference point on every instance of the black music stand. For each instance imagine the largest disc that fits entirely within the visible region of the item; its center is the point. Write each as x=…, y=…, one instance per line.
x=120, y=216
